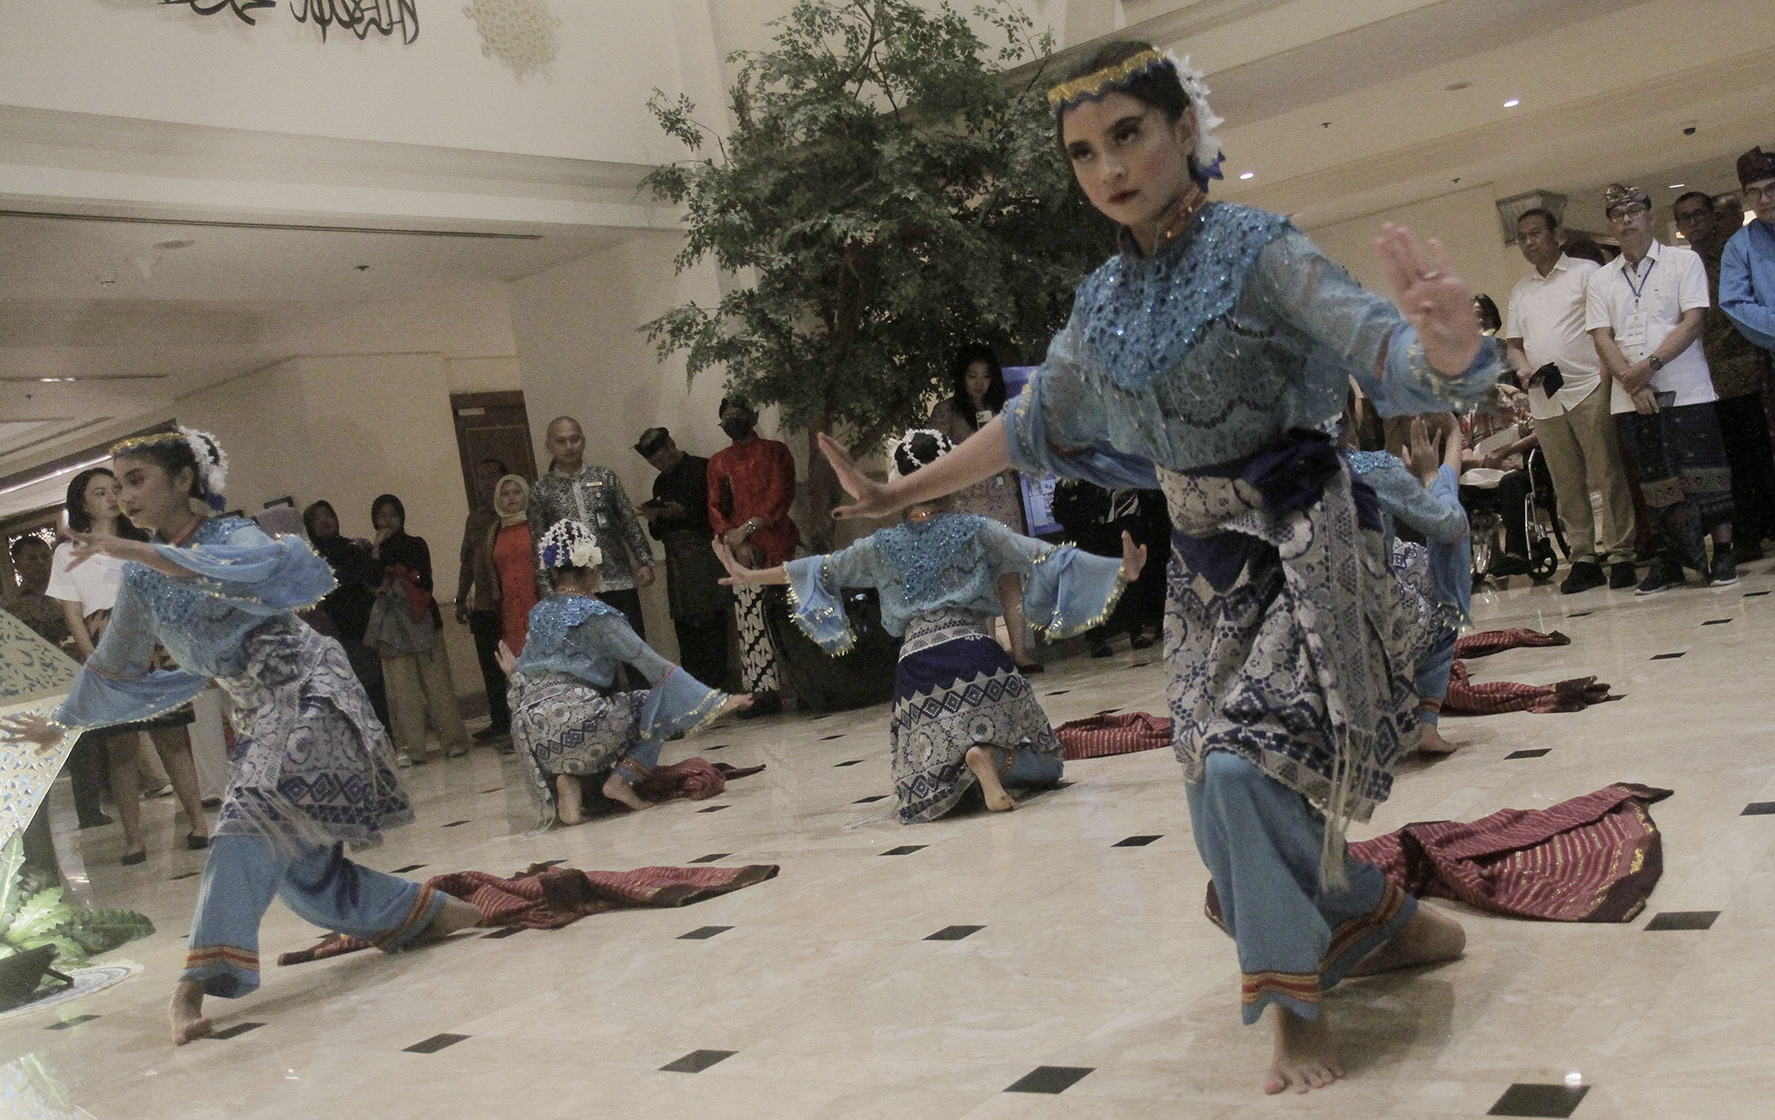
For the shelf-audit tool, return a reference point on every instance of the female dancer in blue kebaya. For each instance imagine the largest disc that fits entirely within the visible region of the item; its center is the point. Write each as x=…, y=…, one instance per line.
x=1212, y=347
x=567, y=722
x=962, y=712
x=312, y=770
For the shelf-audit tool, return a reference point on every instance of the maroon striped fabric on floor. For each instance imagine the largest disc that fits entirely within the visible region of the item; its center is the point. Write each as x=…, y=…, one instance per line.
x=1123, y=733
x=1494, y=641
x=1594, y=858
x=1488, y=699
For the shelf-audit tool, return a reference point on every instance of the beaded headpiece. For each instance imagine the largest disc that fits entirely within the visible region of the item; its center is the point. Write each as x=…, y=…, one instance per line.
x=1617, y=196
x=901, y=451
x=569, y=544
x=1117, y=78
x=1754, y=166
x=212, y=461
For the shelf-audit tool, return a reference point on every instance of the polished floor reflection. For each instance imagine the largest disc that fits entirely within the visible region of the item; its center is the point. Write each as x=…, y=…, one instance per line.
x=1052, y=962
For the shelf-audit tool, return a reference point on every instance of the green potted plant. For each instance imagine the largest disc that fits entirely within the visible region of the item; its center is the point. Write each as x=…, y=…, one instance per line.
x=40, y=930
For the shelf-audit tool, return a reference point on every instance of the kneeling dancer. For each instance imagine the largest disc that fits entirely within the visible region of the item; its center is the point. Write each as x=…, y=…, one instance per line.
x=1211, y=346
x=312, y=770
x=567, y=722
x=962, y=712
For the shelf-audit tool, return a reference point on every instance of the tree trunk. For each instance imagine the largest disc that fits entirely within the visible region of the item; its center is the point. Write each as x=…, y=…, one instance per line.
x=823, y=492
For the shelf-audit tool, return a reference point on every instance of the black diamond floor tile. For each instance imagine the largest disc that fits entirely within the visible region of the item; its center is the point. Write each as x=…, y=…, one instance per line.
x=1049, y=1079
x=1140, y=665
x=697, y=1061
x=1716, y=622
x=1759, y=809
x=829, y=738
x=495, y=789
x=508, y=931
x=1135, y=841
x=186, y=875
x=714, y=808
x=551, y=863
x=852, y=762
x=1668, y=656
x=1536, y=753
x=903, y=850
x=703, y=933
x=1060, y=692
x=954, y=933
x=453, y=824
x=1755, y=594
x=1682, y=919
x=1581, y=614
x=404, y=870
x=433, y=1044
x=1539, y=1100
x=74, y=1022
x=717, y=747
x=235, y=1031
x=1108, y=711
x=870, y=799
x=711, y=857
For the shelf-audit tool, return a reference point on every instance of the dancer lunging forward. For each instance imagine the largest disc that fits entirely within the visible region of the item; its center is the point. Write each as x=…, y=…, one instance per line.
x=567, y=721
x=312, y=770
x=1210, y=346
x=962, y=712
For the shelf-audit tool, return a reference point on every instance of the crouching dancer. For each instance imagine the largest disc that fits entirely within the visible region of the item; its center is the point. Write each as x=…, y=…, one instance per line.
x=312, y=770
x=962, y=712
x=567, y=723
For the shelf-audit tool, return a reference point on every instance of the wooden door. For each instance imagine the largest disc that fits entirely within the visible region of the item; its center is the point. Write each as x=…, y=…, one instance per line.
x=492, y=426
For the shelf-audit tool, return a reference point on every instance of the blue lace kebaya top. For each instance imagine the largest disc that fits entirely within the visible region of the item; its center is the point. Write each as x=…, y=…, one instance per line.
x=1212, y=347
x=1435, y=511
x=586, y=638
x=243, y=578
x=952, y=562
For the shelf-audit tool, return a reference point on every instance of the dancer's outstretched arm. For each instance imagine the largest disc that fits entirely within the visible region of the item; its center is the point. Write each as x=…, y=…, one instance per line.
x=976, y=459
x=738, y=573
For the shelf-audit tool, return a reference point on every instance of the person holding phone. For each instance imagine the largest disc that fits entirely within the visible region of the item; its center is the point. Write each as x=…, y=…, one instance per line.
x=1556, y=362
x=1644, y=309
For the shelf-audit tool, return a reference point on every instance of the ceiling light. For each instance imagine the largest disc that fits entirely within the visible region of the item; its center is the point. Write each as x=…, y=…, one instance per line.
x=57, y=473
x=1513, y=103
x=1247, y=174
x=1678, y=186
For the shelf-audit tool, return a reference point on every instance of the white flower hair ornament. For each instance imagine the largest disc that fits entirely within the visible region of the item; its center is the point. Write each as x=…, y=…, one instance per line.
x=903, y=456
x=212, y=464
x=569, y=544
x=1209, y=154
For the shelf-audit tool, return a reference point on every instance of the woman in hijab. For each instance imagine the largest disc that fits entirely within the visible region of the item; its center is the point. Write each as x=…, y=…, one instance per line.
x=403, y=628
x=507, y=555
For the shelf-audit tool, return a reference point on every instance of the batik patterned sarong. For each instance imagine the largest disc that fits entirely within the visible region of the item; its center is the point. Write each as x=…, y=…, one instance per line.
x=562, y=725
x=956, y=688
x=1684, y=474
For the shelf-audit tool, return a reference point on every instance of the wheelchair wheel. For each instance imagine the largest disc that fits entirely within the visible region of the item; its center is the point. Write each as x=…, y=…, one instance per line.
x=1544, y=561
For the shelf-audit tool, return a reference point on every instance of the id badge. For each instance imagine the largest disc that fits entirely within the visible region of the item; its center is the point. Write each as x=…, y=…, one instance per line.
x=1632, y=336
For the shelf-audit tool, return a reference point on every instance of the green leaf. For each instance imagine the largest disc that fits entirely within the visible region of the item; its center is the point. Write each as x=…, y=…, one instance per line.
x=12, y=858
x=67, y=950
x=100, y=931
x=43, y=911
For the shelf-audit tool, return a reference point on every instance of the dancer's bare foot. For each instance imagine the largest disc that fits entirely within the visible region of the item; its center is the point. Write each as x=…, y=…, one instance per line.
x=189, y=1021
x=1429, y=937
x=980, y=760
x=1431, y=742
x=454, y=915
x=735, y=703
x=618, y=789
x=569, y=805
x=1305, y=1055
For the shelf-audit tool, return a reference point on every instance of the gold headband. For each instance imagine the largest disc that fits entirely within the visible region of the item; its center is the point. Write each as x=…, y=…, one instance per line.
x=1103, y=81
x=133, y=442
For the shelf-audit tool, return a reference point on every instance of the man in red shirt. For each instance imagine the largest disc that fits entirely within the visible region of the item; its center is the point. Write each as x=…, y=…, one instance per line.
x=751, y=486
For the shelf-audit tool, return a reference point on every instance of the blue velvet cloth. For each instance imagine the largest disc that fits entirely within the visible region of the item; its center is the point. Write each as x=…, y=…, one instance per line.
x=242, y=579
x=1211, y=349
x=952, y=561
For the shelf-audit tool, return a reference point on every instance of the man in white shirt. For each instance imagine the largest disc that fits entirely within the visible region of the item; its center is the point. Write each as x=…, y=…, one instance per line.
x=1546, y=324
x=1645, y=313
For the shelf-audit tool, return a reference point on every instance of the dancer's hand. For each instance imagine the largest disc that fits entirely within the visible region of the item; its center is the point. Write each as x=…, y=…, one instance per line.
x=29, y=727
x=737, y=573
x=1434, y=300
x=508, y=664
x=88, y=545
x=1133, y=558
x=1420, y=455
x=873, y=499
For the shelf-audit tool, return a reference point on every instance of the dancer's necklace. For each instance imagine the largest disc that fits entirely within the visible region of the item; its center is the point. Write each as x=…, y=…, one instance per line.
x=922, y=514
x=1188, y=206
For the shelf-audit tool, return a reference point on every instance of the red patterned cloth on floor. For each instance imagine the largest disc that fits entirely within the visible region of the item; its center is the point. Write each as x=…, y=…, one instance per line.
x=1594, y=858
x=1494, y=641
x=1488, y=699
x=1103, y=735
x=552, y=897
x=695, y=778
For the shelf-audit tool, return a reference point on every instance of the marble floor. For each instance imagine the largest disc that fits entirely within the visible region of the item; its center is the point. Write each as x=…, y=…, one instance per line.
x=826, y=996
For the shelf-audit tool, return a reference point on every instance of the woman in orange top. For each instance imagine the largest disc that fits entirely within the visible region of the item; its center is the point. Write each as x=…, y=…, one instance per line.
x=509, y=544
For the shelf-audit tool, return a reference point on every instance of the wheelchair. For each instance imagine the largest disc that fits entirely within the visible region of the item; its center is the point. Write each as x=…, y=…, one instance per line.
x=1540, y=514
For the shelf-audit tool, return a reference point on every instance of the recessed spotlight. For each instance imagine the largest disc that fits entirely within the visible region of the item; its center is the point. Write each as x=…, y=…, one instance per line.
x=1513, y=103
x=1678, y=186
x=1247, y=174
x=1454, y=86
x=181, y=243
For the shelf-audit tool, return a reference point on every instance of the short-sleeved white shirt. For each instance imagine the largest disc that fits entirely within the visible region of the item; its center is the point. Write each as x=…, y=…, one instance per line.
x=93, y=584
x=1643, y=306
x=1547, y=313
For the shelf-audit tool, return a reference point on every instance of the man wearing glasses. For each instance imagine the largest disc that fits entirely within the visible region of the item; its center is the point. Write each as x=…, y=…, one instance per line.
x=1644, y=309
x=1747, y=266
x=1738, y=368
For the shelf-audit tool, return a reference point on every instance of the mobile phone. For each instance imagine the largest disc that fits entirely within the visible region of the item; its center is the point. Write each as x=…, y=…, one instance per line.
x=1549, y=378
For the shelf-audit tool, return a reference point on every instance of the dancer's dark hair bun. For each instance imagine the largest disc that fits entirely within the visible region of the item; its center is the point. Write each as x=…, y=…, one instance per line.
x=918, y=449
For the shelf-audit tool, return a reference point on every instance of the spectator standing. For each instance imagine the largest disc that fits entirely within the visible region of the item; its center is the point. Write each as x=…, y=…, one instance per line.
x=751, y=486
x=477, y=596
x=678, y=517
x=357, y=573
x=1547, y=324
x=1738, y=368
x=405, y=629
x=1747, y=265
x=1645, y=311
x=507, y=550
x=573, y=489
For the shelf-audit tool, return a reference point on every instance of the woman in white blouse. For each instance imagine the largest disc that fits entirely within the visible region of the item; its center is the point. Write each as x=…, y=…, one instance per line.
x=87, y=592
